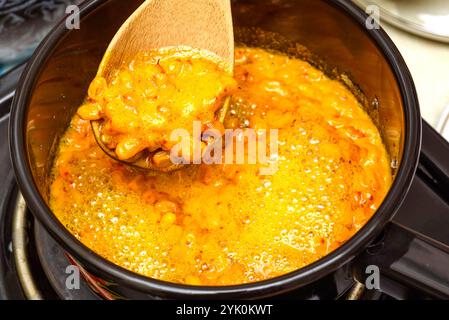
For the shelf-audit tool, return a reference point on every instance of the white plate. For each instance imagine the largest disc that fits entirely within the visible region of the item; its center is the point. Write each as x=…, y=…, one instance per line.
x=427, y=18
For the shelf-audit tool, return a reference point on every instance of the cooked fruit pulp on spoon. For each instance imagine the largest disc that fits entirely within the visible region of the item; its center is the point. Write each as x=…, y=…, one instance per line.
x=157, y=93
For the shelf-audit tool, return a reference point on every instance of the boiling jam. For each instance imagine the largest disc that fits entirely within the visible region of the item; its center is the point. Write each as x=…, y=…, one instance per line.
x=225, y=224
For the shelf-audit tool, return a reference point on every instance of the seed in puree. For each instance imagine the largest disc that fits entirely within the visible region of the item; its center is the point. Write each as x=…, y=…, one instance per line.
x=227, y=224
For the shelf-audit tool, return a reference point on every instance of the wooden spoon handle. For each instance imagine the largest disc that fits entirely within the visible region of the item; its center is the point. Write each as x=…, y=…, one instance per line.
x=202, y=24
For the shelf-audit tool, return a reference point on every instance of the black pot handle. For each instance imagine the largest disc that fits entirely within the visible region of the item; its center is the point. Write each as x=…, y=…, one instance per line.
x=411, y=265
x=412, y=254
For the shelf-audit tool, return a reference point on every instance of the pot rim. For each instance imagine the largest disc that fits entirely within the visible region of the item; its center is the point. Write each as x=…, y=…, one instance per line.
x=281, y=284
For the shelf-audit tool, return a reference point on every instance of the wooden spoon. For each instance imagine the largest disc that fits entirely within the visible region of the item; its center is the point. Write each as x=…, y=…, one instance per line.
x=200, y=24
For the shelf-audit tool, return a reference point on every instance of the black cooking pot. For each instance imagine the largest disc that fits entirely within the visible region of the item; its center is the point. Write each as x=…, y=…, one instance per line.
x=57, y=77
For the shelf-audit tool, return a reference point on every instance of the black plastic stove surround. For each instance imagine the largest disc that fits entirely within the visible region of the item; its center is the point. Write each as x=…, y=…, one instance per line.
x=421, y=221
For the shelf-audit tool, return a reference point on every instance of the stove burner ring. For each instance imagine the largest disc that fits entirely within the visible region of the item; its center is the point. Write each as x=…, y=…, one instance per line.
x=19, y=243
x=356, y=291
x=51, y=256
